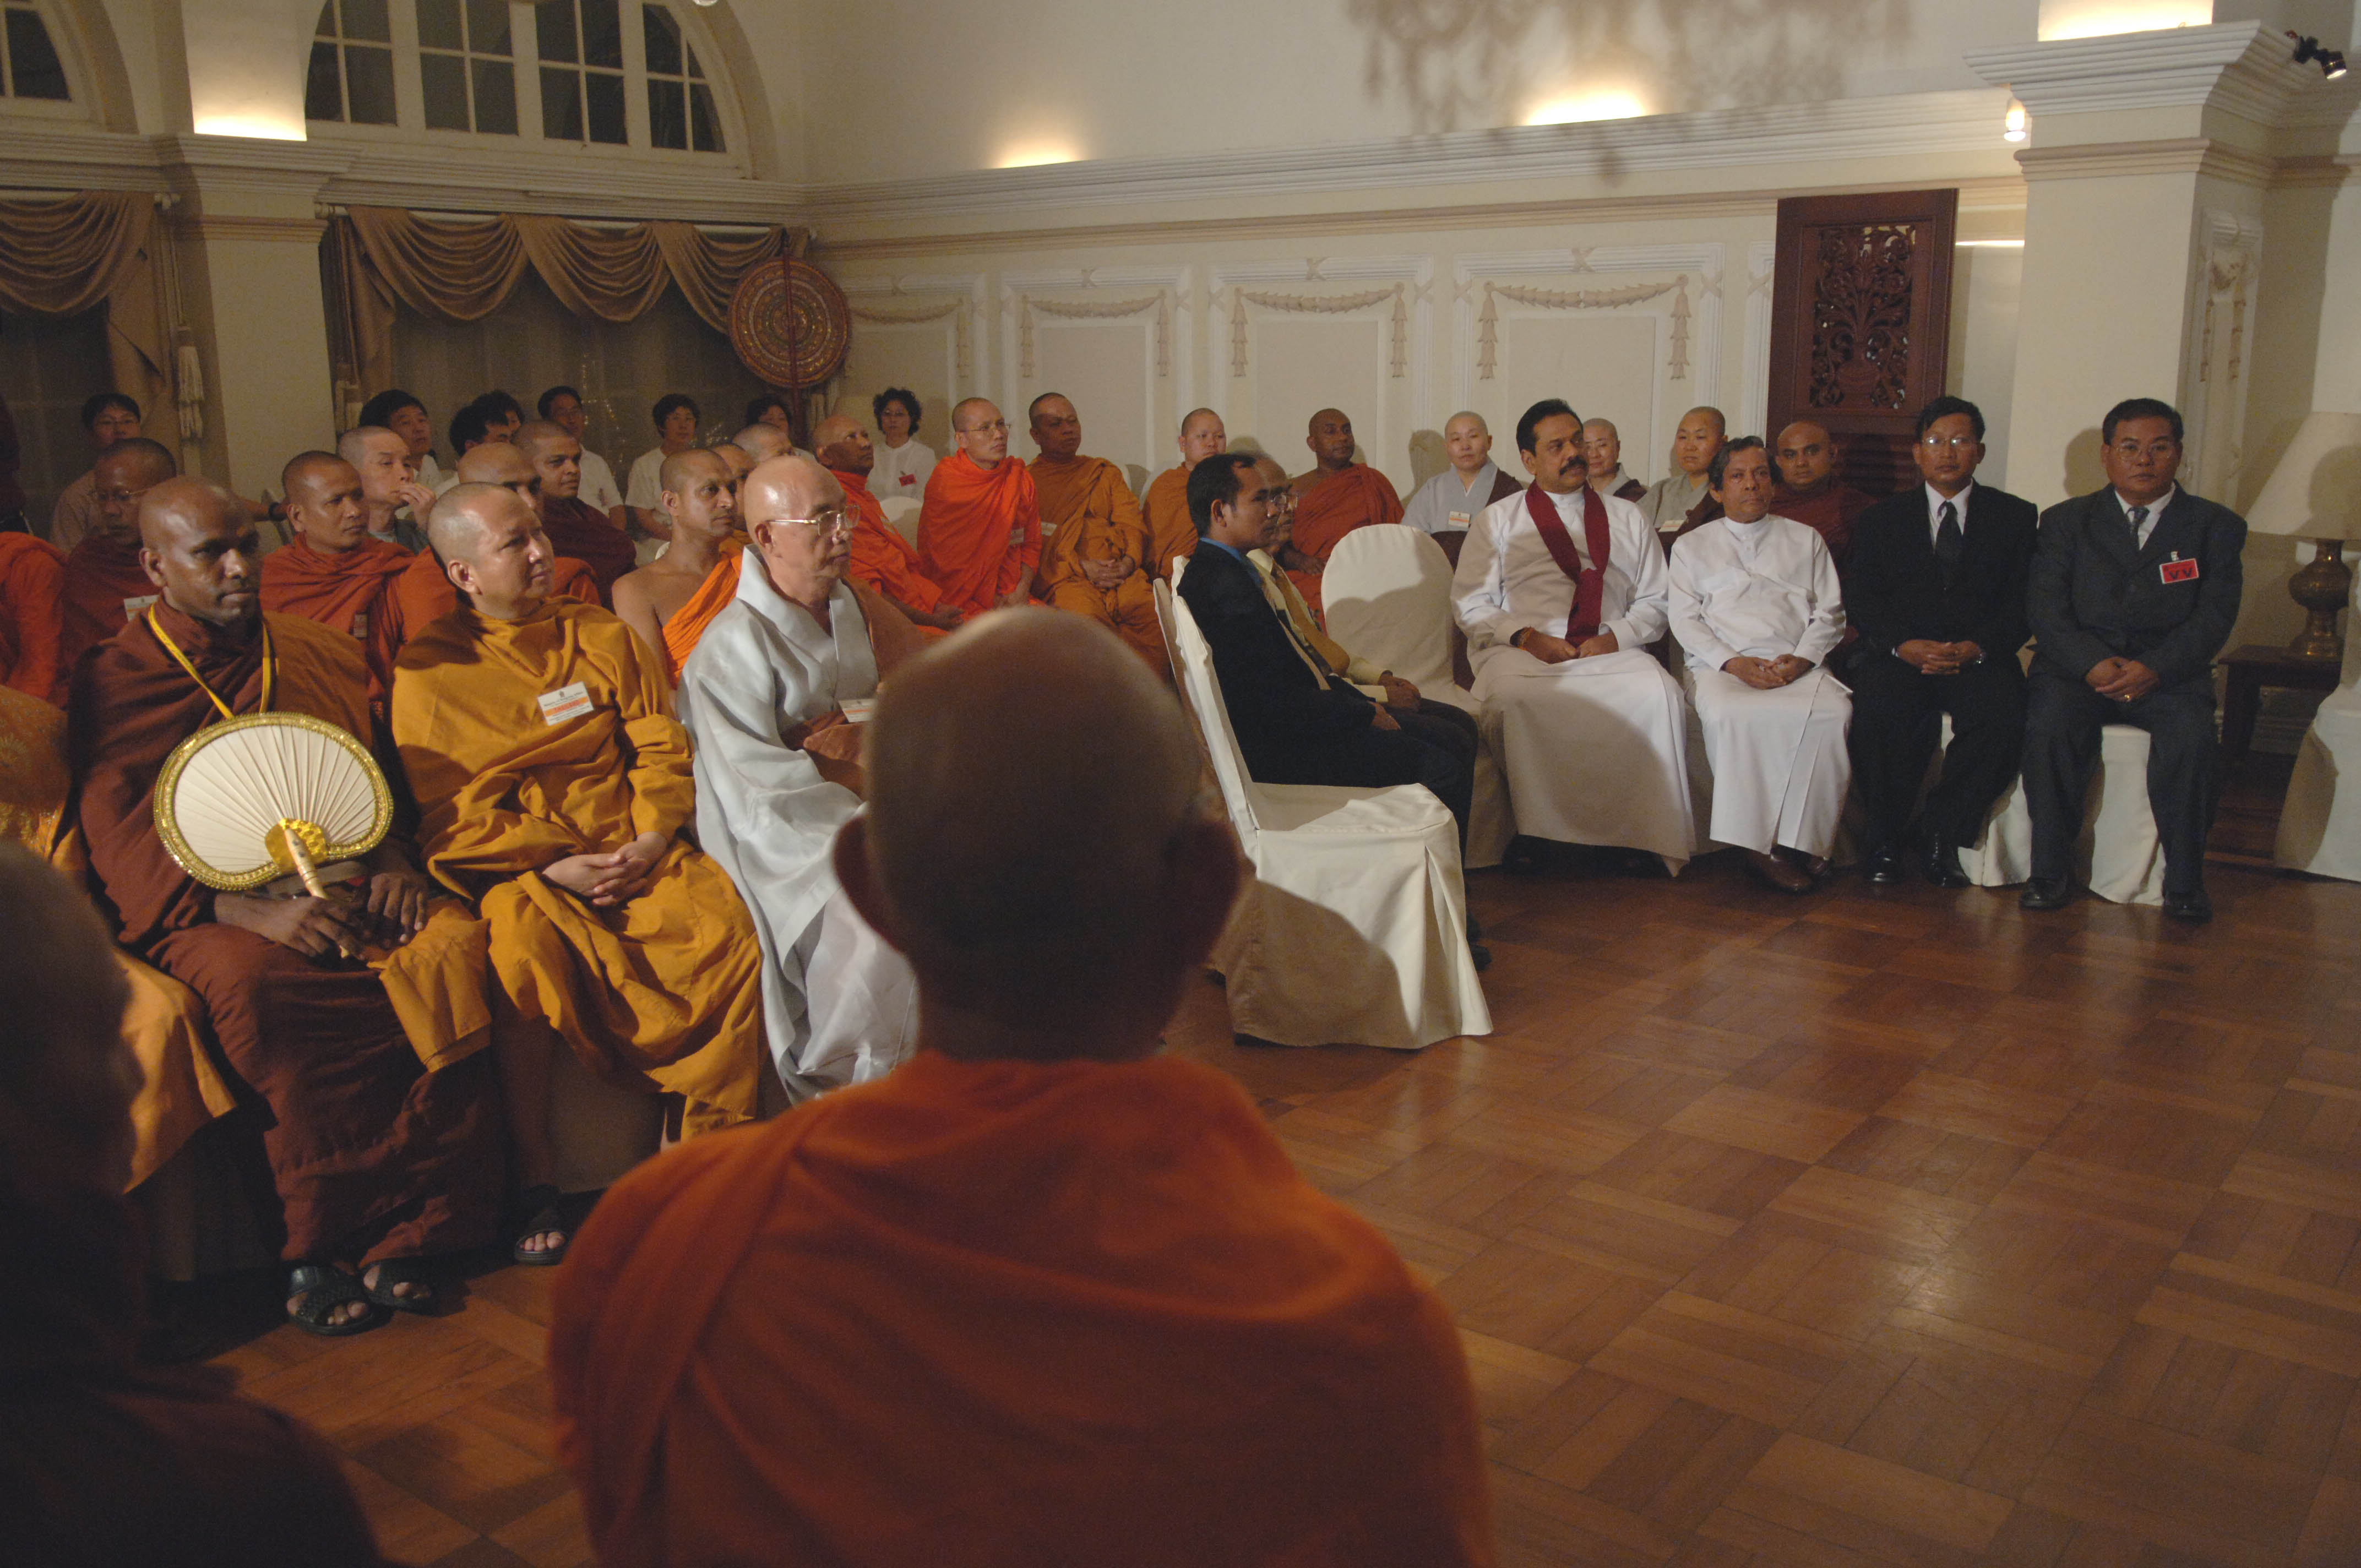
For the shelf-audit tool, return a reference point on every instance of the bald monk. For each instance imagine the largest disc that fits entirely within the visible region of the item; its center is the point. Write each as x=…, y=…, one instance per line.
x=1094, y=563
x=773, y=698
x=1447, y=506
x=1333, y=498
x=1041, y=1296
x=423, y=594
x=882, y=559
x=1173, y=533
x=360, y=1021
x=389, y=487
x=577, y=529
x=739, y=461
x=672, y=599
x=980, y=526
x=105, y=1459
x=33, y=617
x=332, y=571
x=1671, y=499
x=1811, y=491
x=1602, y=448
x=104, y=584
x=553, y=787
x=763, y=442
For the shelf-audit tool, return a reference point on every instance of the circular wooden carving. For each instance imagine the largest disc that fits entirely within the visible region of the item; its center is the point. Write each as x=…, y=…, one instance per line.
x=790, y=325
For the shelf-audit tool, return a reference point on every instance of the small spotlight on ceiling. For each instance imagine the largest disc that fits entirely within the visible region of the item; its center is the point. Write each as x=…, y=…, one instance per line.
x=2308, y=50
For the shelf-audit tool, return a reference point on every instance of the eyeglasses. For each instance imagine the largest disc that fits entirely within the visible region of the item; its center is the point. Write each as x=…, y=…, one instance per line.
x=998, y=426
x=1952, y=444
x=2159, y=449
x=120, y=497
x=832, y=525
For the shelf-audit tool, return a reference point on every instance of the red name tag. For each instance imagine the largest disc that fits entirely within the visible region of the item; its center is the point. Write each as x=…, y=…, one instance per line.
x=2178, y=571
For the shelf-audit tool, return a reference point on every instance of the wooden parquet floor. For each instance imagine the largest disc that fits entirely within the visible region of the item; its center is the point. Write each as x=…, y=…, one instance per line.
x=1883, y=1227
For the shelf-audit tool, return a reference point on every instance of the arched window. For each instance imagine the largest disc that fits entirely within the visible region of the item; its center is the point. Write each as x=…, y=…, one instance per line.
x=467, y=66
x=31, y=66
x=581, y=71
x=351, y=78
x=680, y=104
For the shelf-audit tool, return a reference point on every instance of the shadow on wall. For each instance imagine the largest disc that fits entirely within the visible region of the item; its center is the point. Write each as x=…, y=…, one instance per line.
x=2084, y=471
x=1465, y=64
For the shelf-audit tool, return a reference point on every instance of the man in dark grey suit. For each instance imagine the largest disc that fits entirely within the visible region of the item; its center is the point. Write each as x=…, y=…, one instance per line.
x=1935, y=584
x=2134, y=590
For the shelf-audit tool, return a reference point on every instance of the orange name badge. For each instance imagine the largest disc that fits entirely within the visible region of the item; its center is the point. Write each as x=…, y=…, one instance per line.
x=564, y=703
x=2178, y=571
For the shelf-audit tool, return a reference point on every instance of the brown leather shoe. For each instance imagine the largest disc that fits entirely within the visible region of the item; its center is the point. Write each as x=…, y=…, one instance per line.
x=1771, y=870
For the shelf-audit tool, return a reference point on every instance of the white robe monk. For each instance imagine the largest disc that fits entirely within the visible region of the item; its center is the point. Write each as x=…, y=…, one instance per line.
x=1595, y=746
x=768, y=679
x=1766, y=591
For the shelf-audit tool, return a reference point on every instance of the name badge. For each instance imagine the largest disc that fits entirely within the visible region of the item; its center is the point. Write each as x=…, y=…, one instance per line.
x=907, y=479
x=1016, y=536
x=133, y=608
x=564, y=703
x=857, y=710
x=2178, y=571
x=1460, y=519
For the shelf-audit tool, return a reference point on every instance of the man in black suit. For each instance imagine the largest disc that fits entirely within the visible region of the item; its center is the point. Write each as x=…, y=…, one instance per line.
x=1936, y=585
x=1294, y=722
x=2134, y=590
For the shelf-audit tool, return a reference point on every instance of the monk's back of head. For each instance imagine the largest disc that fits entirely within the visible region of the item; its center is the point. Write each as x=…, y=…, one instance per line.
x=1036, y=836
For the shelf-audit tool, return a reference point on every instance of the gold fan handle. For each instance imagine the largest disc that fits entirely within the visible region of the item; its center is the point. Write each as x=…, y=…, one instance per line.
x=304, y=866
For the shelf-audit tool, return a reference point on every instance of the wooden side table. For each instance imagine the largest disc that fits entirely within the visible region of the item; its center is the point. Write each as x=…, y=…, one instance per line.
x=2245, y=675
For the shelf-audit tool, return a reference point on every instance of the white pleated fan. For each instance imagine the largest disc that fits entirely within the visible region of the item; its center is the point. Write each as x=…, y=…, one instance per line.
x=267, y=795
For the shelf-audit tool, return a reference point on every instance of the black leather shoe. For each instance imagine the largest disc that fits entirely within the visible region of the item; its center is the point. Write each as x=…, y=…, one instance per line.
x=1941, y=864
x=1885, y=868
x=2056, y=893
x=2193, y=907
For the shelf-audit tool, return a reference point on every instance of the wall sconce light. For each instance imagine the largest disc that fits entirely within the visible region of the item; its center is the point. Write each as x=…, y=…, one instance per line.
x=2016, y=125
x=2308, y=50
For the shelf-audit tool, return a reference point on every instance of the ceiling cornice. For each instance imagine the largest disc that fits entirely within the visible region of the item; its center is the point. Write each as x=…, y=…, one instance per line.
x=2246, y=68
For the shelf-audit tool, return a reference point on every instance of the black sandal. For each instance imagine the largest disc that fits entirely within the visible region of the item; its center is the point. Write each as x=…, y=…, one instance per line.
x=323, y=1289
x=398, y=1271
x=540, y=1205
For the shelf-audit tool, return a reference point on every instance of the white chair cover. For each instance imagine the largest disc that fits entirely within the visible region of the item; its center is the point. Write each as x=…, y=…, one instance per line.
x=902, y=515
x=1386, y=595
x=1353, y=927
x=2320, y=825
x=2118, y=856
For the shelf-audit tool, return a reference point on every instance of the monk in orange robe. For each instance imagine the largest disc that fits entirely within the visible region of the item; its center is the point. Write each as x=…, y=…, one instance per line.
x=1333, y=498
x=32, y=617
x=672, y=599
x=332, y=571
x=106, y=585
x=578, y=531
x=1040, y=1296
x=1171, y=532
x=423, y=595
x=553, y=785
x=883, y=561
x=359, y=1023
x=980, y=526
x=1096, y=562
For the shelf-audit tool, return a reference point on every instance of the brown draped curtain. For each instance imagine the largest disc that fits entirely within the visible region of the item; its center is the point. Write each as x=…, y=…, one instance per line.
x=62, y=257
x=462, y=271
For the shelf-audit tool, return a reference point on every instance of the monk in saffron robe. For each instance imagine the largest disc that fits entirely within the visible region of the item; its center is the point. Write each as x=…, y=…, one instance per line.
x=672, y=599
x=106, y=586
x=577, y=529
x=1096, y=562
x=980, y=526
x=883, y=561
x=423, y=595
x=104, y=1460
x=360, y=1024
x=553, y=784
x=1334, y=497
x=332, y=571
x=1171, y=532
x=1039, y=1296
x=32, y=617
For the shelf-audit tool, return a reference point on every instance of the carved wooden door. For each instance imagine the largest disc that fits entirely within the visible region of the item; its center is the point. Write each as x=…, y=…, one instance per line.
x=1862, y=323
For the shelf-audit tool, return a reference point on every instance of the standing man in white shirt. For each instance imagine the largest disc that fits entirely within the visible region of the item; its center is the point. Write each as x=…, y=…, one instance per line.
x=904, y=462
x=1560, y=590
x=561, y=406
x=1450, y=502
x=1756, y=607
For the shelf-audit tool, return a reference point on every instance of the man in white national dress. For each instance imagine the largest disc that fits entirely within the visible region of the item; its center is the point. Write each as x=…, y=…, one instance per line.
x=1560, y=590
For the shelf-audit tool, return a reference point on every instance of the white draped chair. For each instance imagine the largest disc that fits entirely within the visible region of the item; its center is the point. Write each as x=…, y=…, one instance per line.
x=2118, y=856
x=1386, y=595
x=901, y=515
x=2320, y=825
x=1353, y=929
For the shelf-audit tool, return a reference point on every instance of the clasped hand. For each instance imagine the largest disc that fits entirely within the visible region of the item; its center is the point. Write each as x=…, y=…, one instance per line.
x=1108, y=575
x=394, y=911
x=1557, y=650
x=1931, y=658
x=2124, y=680
x=1767, y=674
x=614, y=878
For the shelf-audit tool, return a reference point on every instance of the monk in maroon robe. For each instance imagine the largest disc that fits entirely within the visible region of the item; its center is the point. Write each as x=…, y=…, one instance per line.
x=574, y=527
x=360, y=1024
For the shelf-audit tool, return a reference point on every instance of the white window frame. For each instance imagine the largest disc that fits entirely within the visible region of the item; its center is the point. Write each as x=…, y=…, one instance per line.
x=81, y=102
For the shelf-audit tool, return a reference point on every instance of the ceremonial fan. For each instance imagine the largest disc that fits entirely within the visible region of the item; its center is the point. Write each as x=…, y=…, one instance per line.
x=267, y=795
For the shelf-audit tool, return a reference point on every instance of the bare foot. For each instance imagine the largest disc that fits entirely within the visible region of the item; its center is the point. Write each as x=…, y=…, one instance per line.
x=541, y=1241
x=417, y=1290
x=338, y=1315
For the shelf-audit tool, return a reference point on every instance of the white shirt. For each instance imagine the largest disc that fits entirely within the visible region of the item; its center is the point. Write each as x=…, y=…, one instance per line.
x=1937, y=500
x=645, y=489
x=1508, y=580
x=598, y=490
x=429, y=475
x=1444, y=505
x=902, y=470
x=1756, y=590
x=2154, y=512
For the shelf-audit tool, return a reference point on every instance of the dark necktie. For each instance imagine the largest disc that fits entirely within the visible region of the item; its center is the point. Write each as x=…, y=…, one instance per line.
x=1948, y=542
x=2139, y=520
